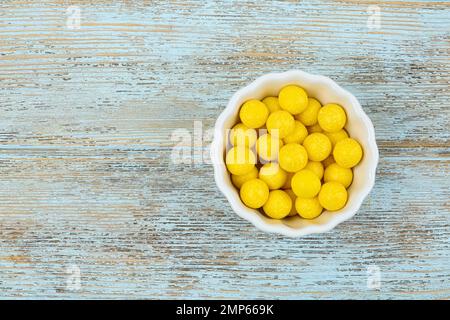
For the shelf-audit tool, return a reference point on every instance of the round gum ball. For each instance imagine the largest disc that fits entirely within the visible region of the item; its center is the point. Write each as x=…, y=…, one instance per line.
x=309, y=116
x=273, y=175
x=272, y=103
x=308, y=208
x=337, y=136
x=293, y=99
x=316, y=167
x=305, y=184
x=268, y=147
x=254, y=114
x=297, y=135
x=318, y=146
x=240, y=160
x=280, y=122
x=347, y=153
x=336, y=173
x=333, y=196
x=254, y=193
x=242, y=135
x=238, y=181
x=293, y=157
x=278, y=205
x=332, y=117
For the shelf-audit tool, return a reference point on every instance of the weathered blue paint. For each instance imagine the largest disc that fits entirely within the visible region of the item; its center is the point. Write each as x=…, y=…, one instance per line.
x=85, y=148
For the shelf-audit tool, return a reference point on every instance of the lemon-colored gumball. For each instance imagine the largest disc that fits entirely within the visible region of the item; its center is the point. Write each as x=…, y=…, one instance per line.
x=328, y=161
x=268, y=147
x=254, y=113
x=273, y=175
x=291, y=194
x=316, y=167
x=278, y=205
x=240, y=160
x=293, y=99
x=280, y=123
x=332, y=117
x=287, y=184
x=334, y=172
x=272, y=103
x=309, y=116
x=308, y=208
x=305, y=184
x=314, y=128
x=347, y=153
x=337, y=136
x=254, y=193
x=318, y=146
x=297, y=135
x=238, y=181
x=333, y=196
x=242, y=135
x=293, y=157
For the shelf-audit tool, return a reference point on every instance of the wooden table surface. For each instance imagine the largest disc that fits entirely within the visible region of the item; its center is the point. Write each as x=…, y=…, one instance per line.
x=92, y=204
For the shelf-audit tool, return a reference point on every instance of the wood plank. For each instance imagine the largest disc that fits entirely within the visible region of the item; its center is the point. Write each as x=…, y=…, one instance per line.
x=85, y=148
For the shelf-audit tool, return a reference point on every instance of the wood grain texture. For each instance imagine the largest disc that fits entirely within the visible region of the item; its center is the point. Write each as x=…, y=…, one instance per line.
x=85, y=136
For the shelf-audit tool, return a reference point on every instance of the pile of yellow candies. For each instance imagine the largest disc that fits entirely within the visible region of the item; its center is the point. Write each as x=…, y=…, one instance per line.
x=290, y=155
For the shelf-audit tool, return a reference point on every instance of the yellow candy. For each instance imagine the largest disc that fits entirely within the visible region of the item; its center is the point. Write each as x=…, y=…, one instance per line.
x=238, y=181
x=309, y=116
x=240, y=160
x=347, y=153
x=297, y=135
x=332, y=117
x=267, y=147
x=308, y=208
x=287, y=184
x=316, y=167
x=278, y=205
x=272, y=103
x=254, y=193
x=333, y=196
x=254, y=113
x=280, y=122
x=293, y=157
x=318, y=146
x=334, y=172
x=293, y=198
x=314, y=128
x=337, y=136
x=273, y=175
x=293, y=99
x=308, y=143
x=242, y=135
x=305, y=184
x=328, y=161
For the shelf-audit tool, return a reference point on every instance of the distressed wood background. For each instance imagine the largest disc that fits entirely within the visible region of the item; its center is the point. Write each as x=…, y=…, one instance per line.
x=86, y=136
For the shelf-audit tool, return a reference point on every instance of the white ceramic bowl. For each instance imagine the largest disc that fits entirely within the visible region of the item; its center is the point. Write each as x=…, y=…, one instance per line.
x=358, y=126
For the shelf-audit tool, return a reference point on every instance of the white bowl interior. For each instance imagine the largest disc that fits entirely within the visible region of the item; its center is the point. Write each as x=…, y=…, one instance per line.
x=358, y=126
